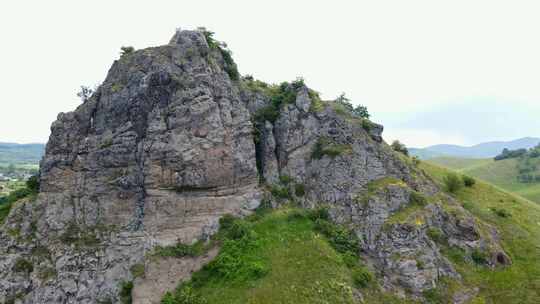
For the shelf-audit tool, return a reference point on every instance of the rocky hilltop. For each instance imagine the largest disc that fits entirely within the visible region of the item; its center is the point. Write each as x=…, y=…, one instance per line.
x=174, y=139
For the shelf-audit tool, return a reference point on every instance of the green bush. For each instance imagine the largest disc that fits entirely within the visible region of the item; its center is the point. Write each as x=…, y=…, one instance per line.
x=137, y=270
x=468, y=205
x=417, y=198
x=361, y=277
x=341, y=239
x=239, y=229
x=233, y=263
x=285, y=179
x=350, y=259
x=280, y=192
x=479, y=256
x=317, y=105
x=230, y=66
x=180, y=250
x=184, y=294
x=126, y=50
x=420, y=264
x=361, y=111
x=325, y=146
x=4, y=211
x=320, y=213
x=279, y=95
x=7, y=201
x=267, y=113
x=347, y=108
x=367, y=125
x=299, y=190
x=125, y=292
x=501, y=212
x=297, y=214
x=33, y=183
x=468, y=181
x=436, y=235
x=434, y=296
x=226, y=221
x=452, y=183
x=399, y=147
x=23, y=265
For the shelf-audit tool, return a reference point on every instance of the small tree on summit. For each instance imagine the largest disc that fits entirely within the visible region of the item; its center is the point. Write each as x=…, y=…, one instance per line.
x=359, y=111
x=126, y=50
x=345, y=102
x=399, y=147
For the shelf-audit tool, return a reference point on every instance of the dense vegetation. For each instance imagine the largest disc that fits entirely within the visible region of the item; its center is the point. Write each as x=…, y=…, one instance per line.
x=325, y=146
x=279, y=95
x=399, y=147
x=359, y=111
x=257, y=254
x=517, y=175
x=226, y=54
x=31, y=188
x=511, y=154
x=527, y=165
x=282, y=256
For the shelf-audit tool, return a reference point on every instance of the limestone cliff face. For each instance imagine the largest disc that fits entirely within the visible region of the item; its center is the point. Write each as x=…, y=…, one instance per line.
x=157, y=155
x=166, y=146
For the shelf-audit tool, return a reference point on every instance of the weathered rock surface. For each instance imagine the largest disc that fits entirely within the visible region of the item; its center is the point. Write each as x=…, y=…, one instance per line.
x=155, y=156
x=162, y=275
x=166, y=146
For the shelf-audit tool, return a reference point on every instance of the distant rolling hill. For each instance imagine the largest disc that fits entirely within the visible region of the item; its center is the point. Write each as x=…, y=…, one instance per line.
x=20, y=154
x=501, y=173
x=483, y=150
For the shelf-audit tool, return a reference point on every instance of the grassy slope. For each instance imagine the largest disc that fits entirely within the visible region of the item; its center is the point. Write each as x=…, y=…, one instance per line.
x=303, y=268
x=460, y=163
x=500, y=173
x=520, y=236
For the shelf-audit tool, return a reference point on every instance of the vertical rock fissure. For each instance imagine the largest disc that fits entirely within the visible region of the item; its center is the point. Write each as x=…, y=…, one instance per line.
x=137, y=222
x=276, y=150
x=258, y=140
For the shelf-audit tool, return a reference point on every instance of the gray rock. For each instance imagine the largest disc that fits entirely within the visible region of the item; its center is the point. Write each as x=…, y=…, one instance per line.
x=157, y=155
x=166, y=146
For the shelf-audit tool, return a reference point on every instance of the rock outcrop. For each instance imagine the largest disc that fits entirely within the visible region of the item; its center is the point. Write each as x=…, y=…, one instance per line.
x=171, y=141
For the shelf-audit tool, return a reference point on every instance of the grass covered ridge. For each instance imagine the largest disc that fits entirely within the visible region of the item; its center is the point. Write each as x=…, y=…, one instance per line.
x=519, y=230
x=282, y=256
x=503, y=173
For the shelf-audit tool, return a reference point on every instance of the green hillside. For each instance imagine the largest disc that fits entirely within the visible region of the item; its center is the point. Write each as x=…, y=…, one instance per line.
x=503, y=173
x=282, y=256
x=456, y=163
x=519, y=228
x=285, y=257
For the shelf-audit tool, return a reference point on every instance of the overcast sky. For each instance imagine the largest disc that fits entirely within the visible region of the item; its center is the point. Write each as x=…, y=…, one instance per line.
x=431, y=71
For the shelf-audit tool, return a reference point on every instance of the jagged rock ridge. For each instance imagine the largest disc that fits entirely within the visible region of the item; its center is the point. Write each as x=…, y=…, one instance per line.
x=171, y=141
